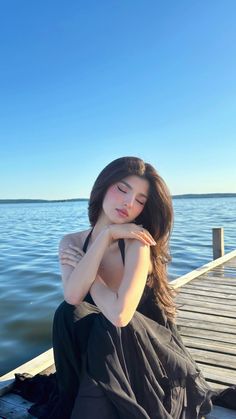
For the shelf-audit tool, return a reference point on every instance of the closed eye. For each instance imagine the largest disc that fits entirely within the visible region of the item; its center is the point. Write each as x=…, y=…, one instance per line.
x=121, y=189
x=142, y=203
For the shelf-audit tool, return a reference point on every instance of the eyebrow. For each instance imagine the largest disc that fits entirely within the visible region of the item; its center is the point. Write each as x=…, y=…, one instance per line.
x=130, y=187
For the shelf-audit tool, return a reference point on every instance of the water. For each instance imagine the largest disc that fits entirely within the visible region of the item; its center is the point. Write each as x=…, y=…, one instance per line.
x=30, y=284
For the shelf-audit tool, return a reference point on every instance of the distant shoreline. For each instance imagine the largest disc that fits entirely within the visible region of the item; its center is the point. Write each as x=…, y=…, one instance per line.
x=184, y=196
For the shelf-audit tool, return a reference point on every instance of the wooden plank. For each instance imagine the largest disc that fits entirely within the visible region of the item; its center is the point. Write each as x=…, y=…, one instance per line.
x=213, y=331
x=219, y=412
x=206, y=310
x=213, y=281
x=34, y=366
x=201, y=303
x=207, y=318
x=184, y=279
x=219, y=289
x=223, y=274
x=231, y=263
x=228, y=273
x=205, y=334
x=223, y=271
x=214, y=358
x=218, y=276
x=219, y=295
x=216, y=386
x=206, y=298
x=16, y=400
x=198, y=324
x=209, y=345
x=226, y=289
x=217, y=374
x=13, y=406
x=226, y=270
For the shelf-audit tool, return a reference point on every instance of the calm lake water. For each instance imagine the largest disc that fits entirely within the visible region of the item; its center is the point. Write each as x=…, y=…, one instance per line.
x=30, y=284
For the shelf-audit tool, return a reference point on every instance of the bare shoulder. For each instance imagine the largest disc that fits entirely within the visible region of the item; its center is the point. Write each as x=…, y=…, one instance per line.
x=77, y=239
x=136, y=245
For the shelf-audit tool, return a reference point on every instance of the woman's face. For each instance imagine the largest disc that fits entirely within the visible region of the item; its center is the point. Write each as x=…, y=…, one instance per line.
x=125, y=199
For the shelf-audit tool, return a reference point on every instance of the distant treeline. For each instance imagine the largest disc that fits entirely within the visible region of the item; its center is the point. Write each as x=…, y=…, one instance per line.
x=205, y=195
x=40, y=201
x=185, y=196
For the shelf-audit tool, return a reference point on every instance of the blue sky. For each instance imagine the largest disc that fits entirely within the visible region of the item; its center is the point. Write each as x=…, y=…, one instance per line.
x=85, y=82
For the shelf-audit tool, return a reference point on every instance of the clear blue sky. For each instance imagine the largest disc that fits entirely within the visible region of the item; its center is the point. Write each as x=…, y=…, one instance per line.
x=84, y=82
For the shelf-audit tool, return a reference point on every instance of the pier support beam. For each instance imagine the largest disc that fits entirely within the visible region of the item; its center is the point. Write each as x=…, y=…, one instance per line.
x=218, y=242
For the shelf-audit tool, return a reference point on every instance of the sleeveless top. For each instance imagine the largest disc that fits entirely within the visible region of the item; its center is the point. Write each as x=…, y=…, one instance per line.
x=121, y=243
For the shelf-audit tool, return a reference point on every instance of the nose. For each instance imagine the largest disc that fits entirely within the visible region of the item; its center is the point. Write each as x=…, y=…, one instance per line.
x=129, y=201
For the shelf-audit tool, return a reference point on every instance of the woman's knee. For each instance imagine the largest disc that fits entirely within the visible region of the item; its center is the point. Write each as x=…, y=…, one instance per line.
x=63, y=311
x=62, y=320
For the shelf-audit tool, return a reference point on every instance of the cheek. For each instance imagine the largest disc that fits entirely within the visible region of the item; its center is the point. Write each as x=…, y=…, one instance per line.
x=139, y=210
x=113, y=194
x=113, y=191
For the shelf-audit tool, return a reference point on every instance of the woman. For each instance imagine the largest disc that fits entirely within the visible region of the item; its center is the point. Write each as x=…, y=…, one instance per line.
x=117, y=351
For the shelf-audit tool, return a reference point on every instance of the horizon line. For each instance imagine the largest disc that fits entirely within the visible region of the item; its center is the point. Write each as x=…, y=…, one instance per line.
x=187, y=195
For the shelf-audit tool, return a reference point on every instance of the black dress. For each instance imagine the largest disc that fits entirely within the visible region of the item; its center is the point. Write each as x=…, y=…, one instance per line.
x=140, y=371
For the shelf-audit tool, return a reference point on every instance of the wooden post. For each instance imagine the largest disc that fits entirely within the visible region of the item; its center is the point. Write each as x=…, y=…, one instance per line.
x=218, y=242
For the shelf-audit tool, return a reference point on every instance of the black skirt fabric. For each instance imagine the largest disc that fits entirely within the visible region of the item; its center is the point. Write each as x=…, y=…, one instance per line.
x=140, y=371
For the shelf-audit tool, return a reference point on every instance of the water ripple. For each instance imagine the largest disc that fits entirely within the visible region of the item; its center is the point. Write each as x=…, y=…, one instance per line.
x=30, y=284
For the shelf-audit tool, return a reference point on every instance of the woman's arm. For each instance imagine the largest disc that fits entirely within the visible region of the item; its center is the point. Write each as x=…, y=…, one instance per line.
x=105, y=299
x=119, y=307
x=137, y=262
x=77, y=281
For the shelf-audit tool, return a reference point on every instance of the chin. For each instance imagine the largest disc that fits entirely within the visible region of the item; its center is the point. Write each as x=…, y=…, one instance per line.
x=117, y=220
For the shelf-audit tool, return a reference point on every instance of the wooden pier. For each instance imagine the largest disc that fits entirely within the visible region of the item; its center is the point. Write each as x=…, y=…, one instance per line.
x=206, y=321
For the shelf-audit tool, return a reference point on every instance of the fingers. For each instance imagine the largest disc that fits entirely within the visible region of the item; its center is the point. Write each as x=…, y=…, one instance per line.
x=71, y=256
x=137, y=231
x=147, y=237
x=77, y=249
x=72, y=250
x=69, y=262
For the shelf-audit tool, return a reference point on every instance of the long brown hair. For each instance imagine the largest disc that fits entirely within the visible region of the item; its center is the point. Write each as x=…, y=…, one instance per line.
x=156, y=217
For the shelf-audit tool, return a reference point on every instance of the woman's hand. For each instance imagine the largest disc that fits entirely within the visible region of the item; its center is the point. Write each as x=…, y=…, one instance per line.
x=130, y=231
x=71, y=255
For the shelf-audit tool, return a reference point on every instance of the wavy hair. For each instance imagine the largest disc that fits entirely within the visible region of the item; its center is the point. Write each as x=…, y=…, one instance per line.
x=156, y=217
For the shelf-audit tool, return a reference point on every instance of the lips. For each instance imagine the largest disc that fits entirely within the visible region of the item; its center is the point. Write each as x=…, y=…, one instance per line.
x=122, y=212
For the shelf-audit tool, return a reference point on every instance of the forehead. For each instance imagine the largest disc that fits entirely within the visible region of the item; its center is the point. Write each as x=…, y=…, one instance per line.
x=137, y=183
